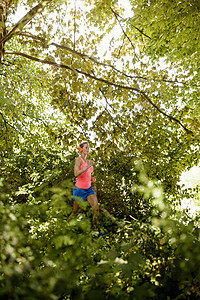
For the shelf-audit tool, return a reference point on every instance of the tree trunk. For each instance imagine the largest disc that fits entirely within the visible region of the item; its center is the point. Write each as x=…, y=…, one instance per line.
x=6, y=35
x=4, y=4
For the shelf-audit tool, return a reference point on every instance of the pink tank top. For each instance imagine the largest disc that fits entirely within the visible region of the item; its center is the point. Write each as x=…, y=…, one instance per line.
x=84, y=180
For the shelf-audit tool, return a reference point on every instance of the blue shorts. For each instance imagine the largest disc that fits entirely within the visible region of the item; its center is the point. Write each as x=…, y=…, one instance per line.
x=82, y=193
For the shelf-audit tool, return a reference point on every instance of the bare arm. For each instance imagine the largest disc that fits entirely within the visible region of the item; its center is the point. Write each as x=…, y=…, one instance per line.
x=77, y=165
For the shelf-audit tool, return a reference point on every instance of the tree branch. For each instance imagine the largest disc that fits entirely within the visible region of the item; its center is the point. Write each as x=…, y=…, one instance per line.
x=27, y=18
x=141, y=32
x=72, y=69
x=83, y=56
x=117, y=15
x=120, y=86
x=163, y=113
x=6, y=122
x=110, y=216
x=106, y=109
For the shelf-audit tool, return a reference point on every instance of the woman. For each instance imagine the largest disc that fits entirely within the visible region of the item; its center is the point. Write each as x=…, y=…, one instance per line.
x=83, y=188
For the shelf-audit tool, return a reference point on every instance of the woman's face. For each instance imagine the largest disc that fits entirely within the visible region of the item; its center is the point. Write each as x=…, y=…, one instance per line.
x=86, y=148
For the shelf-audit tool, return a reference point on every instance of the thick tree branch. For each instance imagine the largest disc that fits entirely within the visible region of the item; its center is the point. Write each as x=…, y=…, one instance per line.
x=120, y=86
x=84, y=56
x=72, y=69
x=4, y=4
x=27, y=18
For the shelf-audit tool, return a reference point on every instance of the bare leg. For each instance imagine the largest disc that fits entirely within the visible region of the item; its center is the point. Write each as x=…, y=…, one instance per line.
x=75, y=209
x=92, y=199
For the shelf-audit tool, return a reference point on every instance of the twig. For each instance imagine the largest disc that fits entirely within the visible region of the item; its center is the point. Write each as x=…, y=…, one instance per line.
x=7, y=123
x=116, y=16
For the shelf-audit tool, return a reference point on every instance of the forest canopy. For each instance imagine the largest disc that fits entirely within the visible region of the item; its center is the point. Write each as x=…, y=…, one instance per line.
x=123, y=75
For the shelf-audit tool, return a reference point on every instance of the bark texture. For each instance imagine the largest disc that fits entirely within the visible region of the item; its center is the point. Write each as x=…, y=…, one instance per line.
x=4, y=5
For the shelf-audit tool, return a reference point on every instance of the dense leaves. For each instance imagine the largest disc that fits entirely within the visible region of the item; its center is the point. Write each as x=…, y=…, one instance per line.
x=41, y=251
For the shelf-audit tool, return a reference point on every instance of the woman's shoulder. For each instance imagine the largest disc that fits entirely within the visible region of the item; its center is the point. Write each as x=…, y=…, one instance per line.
x=78, y=160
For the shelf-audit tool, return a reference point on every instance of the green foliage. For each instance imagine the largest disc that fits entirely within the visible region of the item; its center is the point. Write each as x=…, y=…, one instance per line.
x=142, y=121
x=44, y=255
x=171, y=29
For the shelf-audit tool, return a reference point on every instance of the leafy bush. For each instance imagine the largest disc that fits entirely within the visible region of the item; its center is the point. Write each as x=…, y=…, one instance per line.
x=45, y=256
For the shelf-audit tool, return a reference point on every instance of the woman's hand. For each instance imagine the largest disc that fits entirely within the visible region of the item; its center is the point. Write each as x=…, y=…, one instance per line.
x=93, y=179
x=90, y=163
